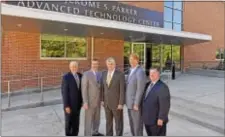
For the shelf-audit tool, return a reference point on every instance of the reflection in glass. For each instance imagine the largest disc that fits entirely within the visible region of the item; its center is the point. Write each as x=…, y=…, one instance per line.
x=177, y=17
x=168, y=12
x=76, y=47
x=170, y=54
x=139, y=49
x=176, y=56
x=54, y=46
x=177, y=27
x=168, y=4
x=155, y=55
x=168, y=25
x=177, y=5
x=126, y=54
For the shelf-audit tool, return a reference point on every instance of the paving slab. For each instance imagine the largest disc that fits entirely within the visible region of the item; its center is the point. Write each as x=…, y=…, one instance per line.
x=49, y=121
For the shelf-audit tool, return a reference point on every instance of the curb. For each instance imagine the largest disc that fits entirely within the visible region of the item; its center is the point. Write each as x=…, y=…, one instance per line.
x=34, y=105
x=29, y=91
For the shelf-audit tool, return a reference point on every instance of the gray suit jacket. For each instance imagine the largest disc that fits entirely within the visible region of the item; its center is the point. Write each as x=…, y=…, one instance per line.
x=135, y=85
x=113, y=94
x=91, y=89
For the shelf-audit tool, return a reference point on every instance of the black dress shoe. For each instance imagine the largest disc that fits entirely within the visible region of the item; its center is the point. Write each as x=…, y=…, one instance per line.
x=98, y=134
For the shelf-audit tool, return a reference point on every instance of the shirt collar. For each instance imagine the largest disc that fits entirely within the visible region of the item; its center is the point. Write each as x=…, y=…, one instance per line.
x=113, y=72
x=134, y=67
x=155, y=82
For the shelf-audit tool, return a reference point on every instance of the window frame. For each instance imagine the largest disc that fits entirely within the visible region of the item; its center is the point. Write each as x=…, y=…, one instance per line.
x=63, y=58
x=173, y=11
x=221, y=51
x=166, y=12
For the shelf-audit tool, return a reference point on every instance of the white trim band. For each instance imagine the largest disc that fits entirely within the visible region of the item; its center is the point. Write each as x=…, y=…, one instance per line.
x=18, y=11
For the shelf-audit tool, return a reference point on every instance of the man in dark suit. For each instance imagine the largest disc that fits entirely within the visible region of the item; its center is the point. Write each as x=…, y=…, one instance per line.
x=113, y=88
x=72, y=99
x=155, y=105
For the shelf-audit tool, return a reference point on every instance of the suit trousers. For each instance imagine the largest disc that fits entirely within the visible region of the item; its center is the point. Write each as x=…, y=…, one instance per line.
x=118, y=117
x=72, y=123
x=92, y=120
x=136, y=122
x=155, y=130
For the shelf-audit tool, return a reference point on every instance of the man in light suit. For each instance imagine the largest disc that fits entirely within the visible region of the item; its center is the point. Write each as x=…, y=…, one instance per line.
x=136, y=81
x=91, y=89
x=113, y=90
x=156, y=105
x=72, y=99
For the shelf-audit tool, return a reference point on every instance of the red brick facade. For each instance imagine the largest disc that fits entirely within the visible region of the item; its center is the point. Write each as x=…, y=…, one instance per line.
x=206, y=18
x=21, y=49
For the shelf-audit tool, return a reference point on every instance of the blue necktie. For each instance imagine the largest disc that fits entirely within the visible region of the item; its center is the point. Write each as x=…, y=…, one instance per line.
x=97, y=77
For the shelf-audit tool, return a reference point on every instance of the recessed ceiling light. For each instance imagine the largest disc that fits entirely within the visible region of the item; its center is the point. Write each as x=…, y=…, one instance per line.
x=19, y=25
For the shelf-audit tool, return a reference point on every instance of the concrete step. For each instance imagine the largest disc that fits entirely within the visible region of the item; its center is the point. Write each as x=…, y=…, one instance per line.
x=201, y=114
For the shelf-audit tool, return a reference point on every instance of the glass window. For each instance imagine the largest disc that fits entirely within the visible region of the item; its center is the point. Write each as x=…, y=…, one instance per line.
x=177, y=5
x=168, y=25
x=177, y=16
x=168, y=4
x=168, y=14
x=75, y=47
x=166, y=57
x=155, y=55
x=176, y=56
x=177, y=27
x=220, y=54
x=54, y=46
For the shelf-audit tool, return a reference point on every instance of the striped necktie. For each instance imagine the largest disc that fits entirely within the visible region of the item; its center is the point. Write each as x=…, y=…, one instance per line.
x=149, y=89
x=109, y=77
x=77, y=80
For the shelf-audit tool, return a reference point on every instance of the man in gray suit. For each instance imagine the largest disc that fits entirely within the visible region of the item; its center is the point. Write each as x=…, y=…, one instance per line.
x=135, y=86
x=91, y=90
x=113, y=91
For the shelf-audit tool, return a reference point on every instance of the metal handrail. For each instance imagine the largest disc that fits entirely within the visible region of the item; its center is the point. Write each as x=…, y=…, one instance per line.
x=41, y=85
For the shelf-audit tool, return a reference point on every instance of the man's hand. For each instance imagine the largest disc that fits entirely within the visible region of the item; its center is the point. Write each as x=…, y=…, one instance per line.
x=160, y=122
x=67, y=109
x=120, y=107
x=102, y=103
x=136, y=107
x=85, y=106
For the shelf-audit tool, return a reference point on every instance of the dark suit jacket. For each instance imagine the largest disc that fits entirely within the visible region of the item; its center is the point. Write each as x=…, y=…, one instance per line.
x=113, y=94
x=157, y=104
x=71, y=94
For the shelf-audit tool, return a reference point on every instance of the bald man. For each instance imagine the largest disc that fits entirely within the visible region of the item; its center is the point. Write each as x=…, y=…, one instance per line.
x=72, y=99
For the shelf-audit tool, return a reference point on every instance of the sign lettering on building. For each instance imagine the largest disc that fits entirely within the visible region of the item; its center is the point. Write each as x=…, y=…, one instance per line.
x=110, y=10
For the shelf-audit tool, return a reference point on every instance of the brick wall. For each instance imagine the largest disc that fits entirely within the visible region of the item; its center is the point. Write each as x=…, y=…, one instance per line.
x=21, y=60
x=206, y=18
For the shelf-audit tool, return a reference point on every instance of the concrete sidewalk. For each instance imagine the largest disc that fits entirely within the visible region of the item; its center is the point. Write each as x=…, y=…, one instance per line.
x=197, y=99
x=49, y=121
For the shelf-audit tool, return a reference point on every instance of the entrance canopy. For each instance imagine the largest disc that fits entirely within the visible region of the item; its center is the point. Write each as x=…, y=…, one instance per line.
x=61, y=23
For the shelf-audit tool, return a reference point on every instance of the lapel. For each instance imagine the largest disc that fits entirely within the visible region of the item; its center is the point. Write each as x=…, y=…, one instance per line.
x=93, y=76
x=72, y=77
x=130, y=76
x=154, y=88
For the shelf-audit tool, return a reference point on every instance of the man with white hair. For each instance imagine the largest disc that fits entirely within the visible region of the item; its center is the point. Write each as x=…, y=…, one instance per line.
x=113, y=90
x=72, y=99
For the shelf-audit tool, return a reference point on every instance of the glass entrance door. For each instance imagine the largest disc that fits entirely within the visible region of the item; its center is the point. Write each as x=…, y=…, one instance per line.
x=140, y=49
